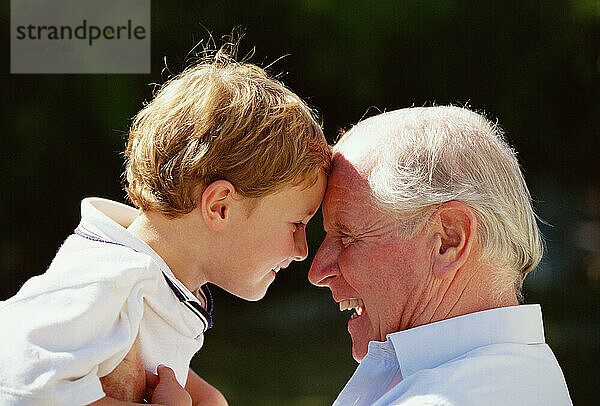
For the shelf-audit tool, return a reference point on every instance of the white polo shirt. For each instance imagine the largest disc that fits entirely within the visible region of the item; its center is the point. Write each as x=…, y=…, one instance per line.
x=75, y=323
x=493, y=357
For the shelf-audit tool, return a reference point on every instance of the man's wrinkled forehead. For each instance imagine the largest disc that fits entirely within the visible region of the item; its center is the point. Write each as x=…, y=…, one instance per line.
x=358, y=151
x=354, y=156
x=347, y=183
x=350, y=172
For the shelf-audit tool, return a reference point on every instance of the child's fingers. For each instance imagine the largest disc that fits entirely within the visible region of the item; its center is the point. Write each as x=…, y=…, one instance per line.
x=151, y=382
x=164, y=372
x=148, y=394
x=169, y=391
x=151, y=379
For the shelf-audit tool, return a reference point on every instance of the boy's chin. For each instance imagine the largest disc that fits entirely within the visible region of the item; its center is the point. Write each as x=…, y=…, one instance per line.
x=251, y=291
x=253, y=295
x=256, y=296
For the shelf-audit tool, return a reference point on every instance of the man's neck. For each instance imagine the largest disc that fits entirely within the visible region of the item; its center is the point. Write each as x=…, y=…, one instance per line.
x=469, y=291
x=480, y=297
x=167, y=237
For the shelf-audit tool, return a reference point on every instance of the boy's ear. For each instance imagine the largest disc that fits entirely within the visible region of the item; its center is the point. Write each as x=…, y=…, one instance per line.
x=454, y=230
x=216, y=202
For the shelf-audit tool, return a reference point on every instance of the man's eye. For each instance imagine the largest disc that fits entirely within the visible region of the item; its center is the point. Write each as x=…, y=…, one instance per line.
x=346, y=240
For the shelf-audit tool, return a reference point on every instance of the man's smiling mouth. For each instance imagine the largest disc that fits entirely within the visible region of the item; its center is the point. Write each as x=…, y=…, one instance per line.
x=353, y=304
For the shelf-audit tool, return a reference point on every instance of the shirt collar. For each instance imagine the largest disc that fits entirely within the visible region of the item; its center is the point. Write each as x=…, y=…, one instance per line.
x=107, y=221
x=431, y=345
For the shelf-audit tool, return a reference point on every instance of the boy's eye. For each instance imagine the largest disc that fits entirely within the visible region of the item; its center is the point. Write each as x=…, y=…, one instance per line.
x=299, y=225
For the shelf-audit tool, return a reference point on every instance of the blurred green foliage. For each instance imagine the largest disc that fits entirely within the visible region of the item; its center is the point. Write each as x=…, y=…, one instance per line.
x=533, y=64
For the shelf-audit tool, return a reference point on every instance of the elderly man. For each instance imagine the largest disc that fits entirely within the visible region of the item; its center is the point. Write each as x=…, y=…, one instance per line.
x=430, y=232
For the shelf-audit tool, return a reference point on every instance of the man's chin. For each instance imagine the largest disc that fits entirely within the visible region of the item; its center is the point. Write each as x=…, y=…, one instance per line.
x=358, y=357
x=360, y=331
x=359, y=349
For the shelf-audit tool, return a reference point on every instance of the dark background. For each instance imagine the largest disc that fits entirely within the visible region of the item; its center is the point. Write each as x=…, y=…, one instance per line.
x=534, y=65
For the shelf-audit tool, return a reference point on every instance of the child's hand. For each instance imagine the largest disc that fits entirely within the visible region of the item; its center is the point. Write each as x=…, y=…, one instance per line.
x=163, y=389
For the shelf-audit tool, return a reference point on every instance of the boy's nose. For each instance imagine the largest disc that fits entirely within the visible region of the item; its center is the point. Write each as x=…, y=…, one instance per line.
x=301, y=247
x=324, y=265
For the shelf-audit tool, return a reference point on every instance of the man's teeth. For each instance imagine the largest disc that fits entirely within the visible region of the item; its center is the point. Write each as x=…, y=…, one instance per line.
x=352, y=304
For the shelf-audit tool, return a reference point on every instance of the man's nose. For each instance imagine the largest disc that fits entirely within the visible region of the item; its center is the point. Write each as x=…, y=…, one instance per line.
x=300, y=245
x=324, y=266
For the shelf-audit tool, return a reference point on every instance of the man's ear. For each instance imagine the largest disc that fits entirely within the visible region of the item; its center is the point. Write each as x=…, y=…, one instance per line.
x=455, y=229
x=216, y=202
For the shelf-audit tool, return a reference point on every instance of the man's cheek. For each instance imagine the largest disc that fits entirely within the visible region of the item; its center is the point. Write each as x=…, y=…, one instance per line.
x=127, y=382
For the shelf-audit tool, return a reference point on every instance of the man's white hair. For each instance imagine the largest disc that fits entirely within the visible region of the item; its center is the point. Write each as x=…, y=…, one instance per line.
x=429, y=156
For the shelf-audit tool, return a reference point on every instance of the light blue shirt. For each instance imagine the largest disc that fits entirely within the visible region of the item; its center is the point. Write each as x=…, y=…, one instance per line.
x=493, y=357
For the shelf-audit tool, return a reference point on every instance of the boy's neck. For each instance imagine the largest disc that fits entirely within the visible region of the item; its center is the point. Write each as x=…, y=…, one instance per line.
x=168, y=238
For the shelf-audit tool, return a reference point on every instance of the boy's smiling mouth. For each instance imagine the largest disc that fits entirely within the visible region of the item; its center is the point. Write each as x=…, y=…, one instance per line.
x=353, y=304
x=281, y=266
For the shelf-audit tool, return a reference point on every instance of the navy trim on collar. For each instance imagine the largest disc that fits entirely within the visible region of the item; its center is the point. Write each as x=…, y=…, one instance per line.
x=193, y=305
x=205, y=315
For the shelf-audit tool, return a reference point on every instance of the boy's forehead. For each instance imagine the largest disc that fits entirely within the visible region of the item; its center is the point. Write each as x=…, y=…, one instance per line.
x=311, y=195
x=301, y=199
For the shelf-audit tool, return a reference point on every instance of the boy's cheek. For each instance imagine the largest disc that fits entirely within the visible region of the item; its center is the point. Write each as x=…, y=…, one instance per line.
x=127, y=382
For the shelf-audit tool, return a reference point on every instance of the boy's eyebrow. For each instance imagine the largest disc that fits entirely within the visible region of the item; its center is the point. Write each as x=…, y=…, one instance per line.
x=309, y=212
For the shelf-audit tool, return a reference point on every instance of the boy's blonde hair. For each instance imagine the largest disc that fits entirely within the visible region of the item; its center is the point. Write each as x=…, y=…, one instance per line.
x=221, y=119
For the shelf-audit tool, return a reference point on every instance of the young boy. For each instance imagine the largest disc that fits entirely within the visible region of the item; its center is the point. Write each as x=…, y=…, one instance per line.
x=225, y=166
